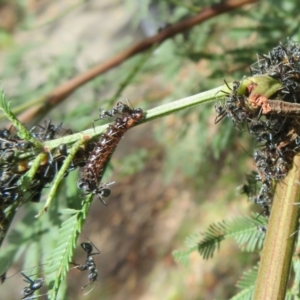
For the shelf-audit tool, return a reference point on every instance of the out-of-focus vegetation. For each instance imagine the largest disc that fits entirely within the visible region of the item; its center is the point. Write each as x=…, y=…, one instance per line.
x=175, y=176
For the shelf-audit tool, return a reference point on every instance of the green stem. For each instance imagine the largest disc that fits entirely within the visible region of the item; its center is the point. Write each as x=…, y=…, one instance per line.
x=151, y=114
x=60, y=175
x=188, y=102
x=278, y=250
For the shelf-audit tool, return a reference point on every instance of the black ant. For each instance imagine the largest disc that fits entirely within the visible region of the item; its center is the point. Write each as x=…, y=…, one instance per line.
x=9, y=194
x=221, y=113
x=34, y=285
x=235, y=106
x=5, y=133
x=89, y=264
x=100, y=191
x=46, y=133
x=119, y=109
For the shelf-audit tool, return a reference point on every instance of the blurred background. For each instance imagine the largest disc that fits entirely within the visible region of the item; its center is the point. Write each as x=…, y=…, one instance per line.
x=175, y=175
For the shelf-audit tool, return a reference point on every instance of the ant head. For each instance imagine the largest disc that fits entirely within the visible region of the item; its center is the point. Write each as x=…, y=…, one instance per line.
x=103, y=193
x=87, y=247
x=138, y=114
x=5, y=133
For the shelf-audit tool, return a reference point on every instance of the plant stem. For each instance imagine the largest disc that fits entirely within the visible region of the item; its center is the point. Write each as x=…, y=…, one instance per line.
x=154, y=113
x=188, y=102
x=278, y=250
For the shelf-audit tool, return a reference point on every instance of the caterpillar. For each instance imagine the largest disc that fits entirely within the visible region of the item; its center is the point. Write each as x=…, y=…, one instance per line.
x=92, y=172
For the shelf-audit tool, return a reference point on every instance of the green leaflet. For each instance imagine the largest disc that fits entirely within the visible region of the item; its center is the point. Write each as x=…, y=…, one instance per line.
x=22, y=130
x=61, y=256
x=243, y=230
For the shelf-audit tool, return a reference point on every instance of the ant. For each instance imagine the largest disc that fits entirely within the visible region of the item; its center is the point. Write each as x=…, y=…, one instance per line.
x=235, y=106
x=47, y=133
x=9, y=195
x=100, y=191
x=34, y=285
x=221, y=113
x=119, y=109
x=89, y=264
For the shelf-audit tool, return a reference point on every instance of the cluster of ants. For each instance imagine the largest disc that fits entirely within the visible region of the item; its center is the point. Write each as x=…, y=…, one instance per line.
x=272, y=120
x=16, y=156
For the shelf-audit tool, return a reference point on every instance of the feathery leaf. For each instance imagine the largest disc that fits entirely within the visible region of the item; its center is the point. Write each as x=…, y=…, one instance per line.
x=243, y=230
x=247, y=284
x=22, y=130
x=62, y=255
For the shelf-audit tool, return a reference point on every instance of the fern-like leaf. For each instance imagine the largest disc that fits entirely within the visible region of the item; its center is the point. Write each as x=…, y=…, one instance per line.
x=246, y=294
x=248, y=236
x=22, y=130
x=213, y=237
x=183, y=256
x=61, y=256
x=248, y=278
x=247, y=284
x=243, y=230
x=192, y=244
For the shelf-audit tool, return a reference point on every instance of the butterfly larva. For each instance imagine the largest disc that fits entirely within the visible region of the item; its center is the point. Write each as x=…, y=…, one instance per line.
x=92, y=172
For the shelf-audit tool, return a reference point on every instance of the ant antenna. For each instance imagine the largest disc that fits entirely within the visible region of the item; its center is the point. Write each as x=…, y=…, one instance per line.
x=3, y=276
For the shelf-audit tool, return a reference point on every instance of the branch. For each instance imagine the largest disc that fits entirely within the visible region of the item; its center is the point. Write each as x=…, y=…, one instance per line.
x=60, y=93
x=278, y=250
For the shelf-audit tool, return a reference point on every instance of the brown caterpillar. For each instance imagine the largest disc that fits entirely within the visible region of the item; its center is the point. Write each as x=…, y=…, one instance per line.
x=92, y=172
